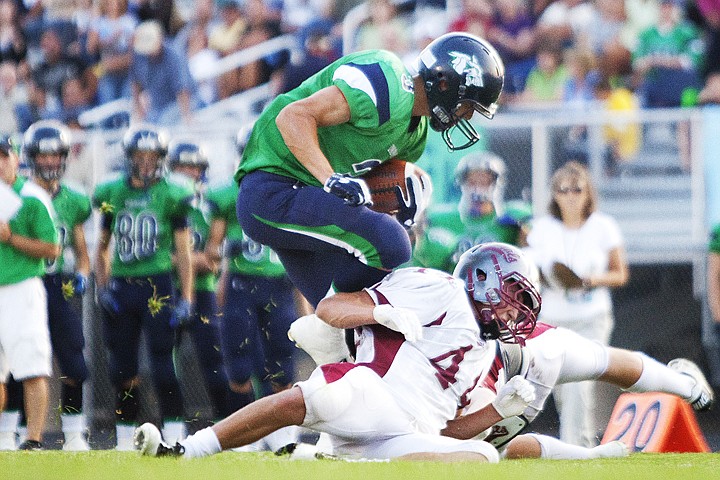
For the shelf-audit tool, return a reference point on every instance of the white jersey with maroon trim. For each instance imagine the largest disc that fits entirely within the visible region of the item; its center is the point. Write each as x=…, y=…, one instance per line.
x=429, y=378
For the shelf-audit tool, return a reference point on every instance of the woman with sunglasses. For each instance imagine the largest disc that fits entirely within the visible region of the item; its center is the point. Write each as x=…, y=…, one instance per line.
x=580, y=253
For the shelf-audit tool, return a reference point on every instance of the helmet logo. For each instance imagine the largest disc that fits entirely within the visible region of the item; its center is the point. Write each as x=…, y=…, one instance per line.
x=49, y=145
x=147, y=142
x=407, y=83
x=463, y=63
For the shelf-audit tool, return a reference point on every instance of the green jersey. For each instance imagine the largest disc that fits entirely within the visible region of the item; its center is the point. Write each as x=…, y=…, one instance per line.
x=254, y=258
x=200, y=227
x=142, y=222
x=449, y=234
x=34, y=219
x=72, y=208
x=379, y=91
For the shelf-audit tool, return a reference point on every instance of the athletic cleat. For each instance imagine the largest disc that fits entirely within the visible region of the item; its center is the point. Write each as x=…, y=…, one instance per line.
x=31, y=445
x=614, y=449
x=702, y=397
x=286, y=450
x=148, y=441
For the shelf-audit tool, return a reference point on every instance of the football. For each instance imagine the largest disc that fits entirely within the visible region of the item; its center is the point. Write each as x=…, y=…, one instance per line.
x=383, y=179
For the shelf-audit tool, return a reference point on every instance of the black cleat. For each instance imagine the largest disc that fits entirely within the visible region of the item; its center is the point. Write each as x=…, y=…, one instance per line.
x=32, y=445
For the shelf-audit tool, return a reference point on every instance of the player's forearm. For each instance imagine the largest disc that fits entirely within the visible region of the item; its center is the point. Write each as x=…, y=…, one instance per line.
x=473, y=424
x=202, y=263
x=33, y=247
x=213, y=246
x=102, y=268
x=299, y=131
x=713, y=285
x=347, y=310
x=184, y=263
x=82, y=258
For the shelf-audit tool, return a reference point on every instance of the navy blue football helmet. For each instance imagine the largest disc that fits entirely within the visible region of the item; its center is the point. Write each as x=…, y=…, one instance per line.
x=188, y=153
x=46, y=137
x=460, y=69
x=145, y=138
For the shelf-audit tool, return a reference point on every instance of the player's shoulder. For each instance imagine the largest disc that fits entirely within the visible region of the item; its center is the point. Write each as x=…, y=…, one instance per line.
x=372, y=56
x=112, y=181
x=177, y=181
x=74, y=190
x=32, y=192
x=421, y=278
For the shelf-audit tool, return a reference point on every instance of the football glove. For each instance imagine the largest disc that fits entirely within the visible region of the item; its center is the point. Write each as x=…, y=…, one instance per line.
x=399, y=319
x=514, y=397
x=413, y=205
x=353, y=191
x=181, y=313
x=79, y=284
x=107, y=301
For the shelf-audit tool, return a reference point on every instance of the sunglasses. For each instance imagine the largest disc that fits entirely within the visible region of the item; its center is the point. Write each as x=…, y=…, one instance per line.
x=566, y=190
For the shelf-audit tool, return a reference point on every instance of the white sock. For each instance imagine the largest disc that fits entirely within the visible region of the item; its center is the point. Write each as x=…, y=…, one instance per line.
x=201, y=444
x=280, y=438
x=73, y=423
x=555, y=449
x=173, y=432
x=658, y=377
x=124, y=434
x=324, y=444
x=9, y=421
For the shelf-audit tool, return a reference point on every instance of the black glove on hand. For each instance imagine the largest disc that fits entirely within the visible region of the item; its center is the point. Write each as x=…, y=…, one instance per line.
x=353, y=191
x=410, y=206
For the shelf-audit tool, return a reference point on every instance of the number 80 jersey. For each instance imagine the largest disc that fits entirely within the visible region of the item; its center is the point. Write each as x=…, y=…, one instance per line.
x=142, y=222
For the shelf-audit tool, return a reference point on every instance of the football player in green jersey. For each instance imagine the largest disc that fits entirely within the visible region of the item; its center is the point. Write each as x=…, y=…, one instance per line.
x=258, y=308
x=45, y=149
x=449, y=230
x=299, y=188
x=187, y=158
x=147, y=215
x=27, y=238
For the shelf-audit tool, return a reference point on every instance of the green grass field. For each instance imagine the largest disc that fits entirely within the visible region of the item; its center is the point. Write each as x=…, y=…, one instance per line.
x=264, y=466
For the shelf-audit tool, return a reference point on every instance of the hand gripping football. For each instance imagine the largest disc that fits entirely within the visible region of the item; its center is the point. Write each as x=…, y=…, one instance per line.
x=383, y=179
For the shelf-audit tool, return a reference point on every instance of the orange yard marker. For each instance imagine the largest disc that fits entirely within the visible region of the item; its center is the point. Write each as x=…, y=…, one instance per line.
x=655, y=422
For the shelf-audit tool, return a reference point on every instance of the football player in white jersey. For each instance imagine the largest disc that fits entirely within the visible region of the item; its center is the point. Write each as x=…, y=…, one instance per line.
x=556, y=355
x=419, y=353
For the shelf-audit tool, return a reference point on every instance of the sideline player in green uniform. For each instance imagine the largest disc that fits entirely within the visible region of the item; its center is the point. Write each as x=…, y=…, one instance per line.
x=259, y=306
x=27, y=238
x=450, y=230
x=147, y=214
x=189, y=159
x=45, y=149
x=299, y=191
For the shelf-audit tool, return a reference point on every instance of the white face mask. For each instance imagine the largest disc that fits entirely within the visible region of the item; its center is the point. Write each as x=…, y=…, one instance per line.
x=479, y=194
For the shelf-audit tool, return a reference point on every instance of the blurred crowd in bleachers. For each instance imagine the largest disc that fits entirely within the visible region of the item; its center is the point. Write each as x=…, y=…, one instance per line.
x=59, y=58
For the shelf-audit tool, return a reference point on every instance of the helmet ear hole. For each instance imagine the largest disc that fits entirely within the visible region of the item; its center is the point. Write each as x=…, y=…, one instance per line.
x=480, y=275
x=442, y=84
